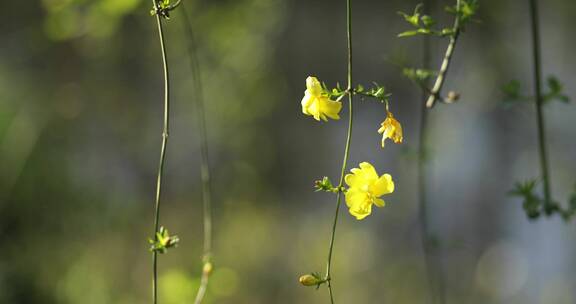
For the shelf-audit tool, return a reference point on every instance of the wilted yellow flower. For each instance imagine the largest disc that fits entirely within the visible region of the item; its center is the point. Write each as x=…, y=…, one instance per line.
x=318, y=105
x=391, y=128
x=365, y=190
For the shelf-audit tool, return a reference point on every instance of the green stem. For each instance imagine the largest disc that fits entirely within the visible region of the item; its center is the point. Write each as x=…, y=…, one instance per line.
x=439, y=83
x=539, y=106
x=328, y=277
x=433, y=269
x=422, y=158
x=204, y=161
x=162, y=155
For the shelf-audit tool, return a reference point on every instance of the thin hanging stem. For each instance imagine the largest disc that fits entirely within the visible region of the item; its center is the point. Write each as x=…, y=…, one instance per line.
x=422, y=172
x=439, y=83
x=539, y=105
x=433, y=269
x=162, y=153
x=204, y=161
x=328, y=277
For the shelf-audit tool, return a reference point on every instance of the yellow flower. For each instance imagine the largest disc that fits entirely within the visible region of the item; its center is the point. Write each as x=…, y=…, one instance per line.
x=318, y=105
x=391, y=128
x=365, y=190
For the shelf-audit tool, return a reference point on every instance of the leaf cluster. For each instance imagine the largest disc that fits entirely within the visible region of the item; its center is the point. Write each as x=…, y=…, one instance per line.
x=465, y=12
x=555, y=92
x=535, y=206
x=423, y=24
x=163, y=8
x=334, y=93
x=376, y=91
x=326, y=185
x=419, y=76
x=163, y=241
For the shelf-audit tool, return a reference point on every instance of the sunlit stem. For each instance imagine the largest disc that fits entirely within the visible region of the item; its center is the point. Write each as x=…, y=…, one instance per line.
x=204, y=161
x=439, y=83
x=349, y=92
x=548, y=205
x=162, y=154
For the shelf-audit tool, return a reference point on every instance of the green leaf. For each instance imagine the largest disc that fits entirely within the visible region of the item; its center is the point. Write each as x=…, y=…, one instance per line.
x=466, y=11
x=512, y=89
x=417, y=75
x=424, y=31
x=427, y=21
x=512, y=94
x=554, y=84
x=408, y=34
x=414, y=20
x=447, y=32
x=525, y=188
x=555, y=89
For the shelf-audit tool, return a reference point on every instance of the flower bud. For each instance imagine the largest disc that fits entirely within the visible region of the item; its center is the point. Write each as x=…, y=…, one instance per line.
x=310, y=280
x=452, y=97
x=207, y=269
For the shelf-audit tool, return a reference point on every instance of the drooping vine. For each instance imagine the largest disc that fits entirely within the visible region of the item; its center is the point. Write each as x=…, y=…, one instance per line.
x=162, y=240
x=365, y=186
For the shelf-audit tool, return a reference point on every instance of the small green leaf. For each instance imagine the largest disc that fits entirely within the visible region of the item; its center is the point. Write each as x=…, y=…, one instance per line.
x=555, y=89
x=512, y=94
x=512, y=89
x=417, y=75
x=447, y=32
x=408, y=34
x=427, y=21
x=424, y=31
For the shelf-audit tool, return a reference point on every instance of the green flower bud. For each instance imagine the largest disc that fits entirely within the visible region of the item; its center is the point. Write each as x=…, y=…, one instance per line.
x=310, y=280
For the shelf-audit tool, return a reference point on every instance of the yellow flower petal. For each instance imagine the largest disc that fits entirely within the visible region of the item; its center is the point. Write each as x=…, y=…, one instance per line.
x=330, y=108
x=313, y=86
x=384, y=185
x=354, y=197
x=306, y=102
x=360, y=178
x=368, y=171
x=361, y=211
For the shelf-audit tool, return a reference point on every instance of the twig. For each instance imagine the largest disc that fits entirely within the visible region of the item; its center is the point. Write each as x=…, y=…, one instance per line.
x=435, y=94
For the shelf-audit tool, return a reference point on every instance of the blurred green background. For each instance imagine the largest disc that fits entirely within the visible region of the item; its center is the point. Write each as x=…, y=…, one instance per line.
x=80, y=125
